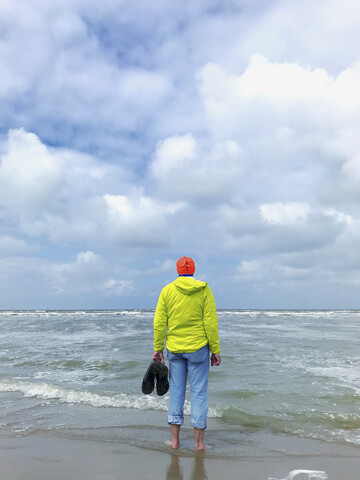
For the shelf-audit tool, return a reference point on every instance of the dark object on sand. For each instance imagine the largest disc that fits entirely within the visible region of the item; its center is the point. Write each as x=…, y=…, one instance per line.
x=157, y=371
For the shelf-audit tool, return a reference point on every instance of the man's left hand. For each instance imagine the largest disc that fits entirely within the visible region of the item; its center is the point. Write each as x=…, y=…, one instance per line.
x=215, y=360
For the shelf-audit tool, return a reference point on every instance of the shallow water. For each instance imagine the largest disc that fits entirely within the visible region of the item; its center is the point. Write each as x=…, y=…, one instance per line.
x=284, y=375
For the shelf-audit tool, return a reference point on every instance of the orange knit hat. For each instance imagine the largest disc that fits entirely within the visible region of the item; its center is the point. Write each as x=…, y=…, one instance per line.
x=185, y=266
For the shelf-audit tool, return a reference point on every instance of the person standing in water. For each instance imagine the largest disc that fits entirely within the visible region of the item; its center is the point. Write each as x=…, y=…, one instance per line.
x=186, y=315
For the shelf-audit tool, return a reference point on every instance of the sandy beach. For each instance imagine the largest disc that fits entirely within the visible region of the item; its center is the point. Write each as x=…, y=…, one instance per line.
x=43, y=456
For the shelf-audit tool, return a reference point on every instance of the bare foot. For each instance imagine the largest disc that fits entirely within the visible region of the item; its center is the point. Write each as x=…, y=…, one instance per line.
x=173, y=444
x=175, y=436
x=199, y=439
x=202, y=447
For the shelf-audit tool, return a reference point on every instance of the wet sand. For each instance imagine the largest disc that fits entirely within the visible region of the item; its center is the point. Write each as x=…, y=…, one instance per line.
x=43, y=457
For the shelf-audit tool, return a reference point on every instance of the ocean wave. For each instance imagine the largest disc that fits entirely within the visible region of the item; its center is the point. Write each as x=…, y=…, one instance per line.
x=348, y=376
x=47, y=391
x=50, y=363
x=76, y=313
x=286, y=313
x=329, y=427
x=150, y=312
x=332, y=420
x=52, y=392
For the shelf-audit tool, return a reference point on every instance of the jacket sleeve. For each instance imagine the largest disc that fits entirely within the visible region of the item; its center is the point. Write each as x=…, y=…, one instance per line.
x=160, y=323
x=211, y=321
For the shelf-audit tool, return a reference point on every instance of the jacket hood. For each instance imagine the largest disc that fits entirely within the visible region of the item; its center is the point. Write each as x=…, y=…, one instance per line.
x=188, y=285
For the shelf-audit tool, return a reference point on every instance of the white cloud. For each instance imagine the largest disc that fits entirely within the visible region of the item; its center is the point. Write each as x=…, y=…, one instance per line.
x=37, y=178
x=184, y=170
x=285, y=213
x=175, y=153
x=87, y=257
x=150, y=128
x=167, y=266
x=138, y=220
x=29, y=175
x=297, y=127
x=74, y=276
x=117, y=288
x=253, y=270
x=278, y=94
x=271, y=229
x=313, y=33
x=339, y=216
x=351, y=172
x=139, y=208
x=70, y=81
x=292, y=214
x=13, y=246
x=291, y=272
x=62, y=195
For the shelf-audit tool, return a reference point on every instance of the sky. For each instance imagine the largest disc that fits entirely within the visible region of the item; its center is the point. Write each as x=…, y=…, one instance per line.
x=133, y=133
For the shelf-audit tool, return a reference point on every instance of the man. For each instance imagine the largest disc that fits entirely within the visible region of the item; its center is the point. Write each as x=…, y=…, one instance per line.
x=186, y=311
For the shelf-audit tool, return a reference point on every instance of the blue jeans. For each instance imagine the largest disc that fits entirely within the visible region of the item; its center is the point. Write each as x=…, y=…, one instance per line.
x=195, y=364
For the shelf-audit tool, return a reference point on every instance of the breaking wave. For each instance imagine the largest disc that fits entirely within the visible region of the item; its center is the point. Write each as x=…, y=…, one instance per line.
x=47, y=391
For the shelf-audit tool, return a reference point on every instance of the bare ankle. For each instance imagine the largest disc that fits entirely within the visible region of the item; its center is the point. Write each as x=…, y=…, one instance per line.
x=199, y=439
x=175, y=444
x=175, y=436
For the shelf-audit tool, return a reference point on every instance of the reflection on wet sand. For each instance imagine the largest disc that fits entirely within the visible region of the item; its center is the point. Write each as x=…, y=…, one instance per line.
x=174, y=471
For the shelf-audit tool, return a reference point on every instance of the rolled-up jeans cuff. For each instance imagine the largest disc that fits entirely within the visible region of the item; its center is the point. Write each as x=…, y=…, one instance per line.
x=175, y=420
x=198, y=425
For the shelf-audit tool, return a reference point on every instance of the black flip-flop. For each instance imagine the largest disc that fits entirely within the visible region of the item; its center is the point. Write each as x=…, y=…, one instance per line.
x=162, y=382
x=148, y=382
x=158, y=371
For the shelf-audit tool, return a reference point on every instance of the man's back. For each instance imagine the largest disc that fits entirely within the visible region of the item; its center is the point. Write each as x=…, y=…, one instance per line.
x=184, y=305
x=186, y=311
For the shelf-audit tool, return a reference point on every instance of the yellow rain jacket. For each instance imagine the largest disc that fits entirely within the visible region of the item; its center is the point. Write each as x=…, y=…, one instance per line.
x=186, y=311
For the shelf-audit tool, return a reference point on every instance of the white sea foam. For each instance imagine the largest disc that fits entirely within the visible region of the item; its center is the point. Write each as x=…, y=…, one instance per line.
x=76, y=313
x=304, y=475
x=52, y=392
x=348, y=376
x=284, y=313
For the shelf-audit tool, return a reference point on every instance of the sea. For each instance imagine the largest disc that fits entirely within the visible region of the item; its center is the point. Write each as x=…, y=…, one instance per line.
x=288, y=380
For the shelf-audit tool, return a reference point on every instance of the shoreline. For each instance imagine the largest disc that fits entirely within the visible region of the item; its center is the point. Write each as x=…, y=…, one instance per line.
x=46, y=455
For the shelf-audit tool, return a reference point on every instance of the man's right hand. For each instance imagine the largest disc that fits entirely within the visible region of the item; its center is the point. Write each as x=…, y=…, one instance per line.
x=158, y=357
x=215, y=360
